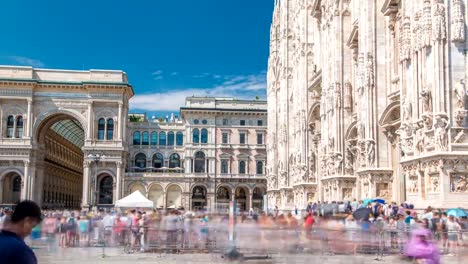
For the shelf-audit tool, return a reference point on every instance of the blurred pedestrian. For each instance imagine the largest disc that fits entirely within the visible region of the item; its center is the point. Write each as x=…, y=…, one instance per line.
x=13, y=249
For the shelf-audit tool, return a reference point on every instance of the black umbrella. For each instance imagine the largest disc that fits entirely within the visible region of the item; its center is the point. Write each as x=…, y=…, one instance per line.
x=362, y=214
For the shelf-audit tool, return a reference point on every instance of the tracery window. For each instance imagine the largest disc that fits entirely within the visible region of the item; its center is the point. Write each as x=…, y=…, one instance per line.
x=19, y=127
x=10, y=126
x=110, y=129
x=101, y=128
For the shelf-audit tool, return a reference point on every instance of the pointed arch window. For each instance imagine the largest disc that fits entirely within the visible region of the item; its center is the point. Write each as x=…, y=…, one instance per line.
x=196, y=136
x=136, y=138
x=19, y=127
x=204, y=136
x=101, y=128
x=179, y=139
x=170, y=138
x=145, y=138
x=110, y=129
x=162, y=138
x=154, y=138
x=10, y=126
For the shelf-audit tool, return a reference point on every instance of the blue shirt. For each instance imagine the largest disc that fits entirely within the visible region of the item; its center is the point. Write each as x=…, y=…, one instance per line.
x=14, y=250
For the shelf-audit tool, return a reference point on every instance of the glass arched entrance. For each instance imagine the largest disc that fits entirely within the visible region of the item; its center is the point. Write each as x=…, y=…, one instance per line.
x=60, y=139
x=158, y=161
x=106, y=190
x=198, y=198
x=223, y=197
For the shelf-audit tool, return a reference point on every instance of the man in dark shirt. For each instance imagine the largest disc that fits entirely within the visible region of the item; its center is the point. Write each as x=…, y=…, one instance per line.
x=27, y=215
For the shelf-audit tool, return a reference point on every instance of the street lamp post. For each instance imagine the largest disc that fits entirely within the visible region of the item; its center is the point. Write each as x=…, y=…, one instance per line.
x=96, y=158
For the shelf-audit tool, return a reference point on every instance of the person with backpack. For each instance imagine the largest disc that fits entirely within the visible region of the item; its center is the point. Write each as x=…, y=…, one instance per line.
x=71, y=230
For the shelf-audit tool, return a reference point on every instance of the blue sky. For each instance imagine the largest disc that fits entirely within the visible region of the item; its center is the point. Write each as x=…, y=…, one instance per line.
x=169, y=48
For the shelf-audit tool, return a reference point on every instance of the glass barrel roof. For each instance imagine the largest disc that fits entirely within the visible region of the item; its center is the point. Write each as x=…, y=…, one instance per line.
x=71, y=130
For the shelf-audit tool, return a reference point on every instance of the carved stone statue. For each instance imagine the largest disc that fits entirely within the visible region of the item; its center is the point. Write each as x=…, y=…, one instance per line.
x=405, y=39
x=419, y=140
x=426, y=98
x=460, y=92
x=338, y=160
x=406, y=107
x=370, y=147
x=435, y=183
x=457, y=22
x=349, y=161
x=438, y=22
x=337, y=95
x=440, y=132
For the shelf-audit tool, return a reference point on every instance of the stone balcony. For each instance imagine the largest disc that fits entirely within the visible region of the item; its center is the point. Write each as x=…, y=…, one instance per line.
x=192, y=175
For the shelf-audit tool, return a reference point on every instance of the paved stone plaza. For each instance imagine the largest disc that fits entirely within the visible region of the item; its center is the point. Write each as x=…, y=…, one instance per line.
x=116, y=256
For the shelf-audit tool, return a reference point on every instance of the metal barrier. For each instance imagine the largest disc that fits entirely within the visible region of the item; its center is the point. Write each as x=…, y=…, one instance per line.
x=324, y=239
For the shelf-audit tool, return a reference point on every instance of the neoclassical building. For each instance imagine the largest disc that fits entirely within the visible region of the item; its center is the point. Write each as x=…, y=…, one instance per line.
x=366, y=99
x=67, y=141
x=214, y=153
x=54, y=123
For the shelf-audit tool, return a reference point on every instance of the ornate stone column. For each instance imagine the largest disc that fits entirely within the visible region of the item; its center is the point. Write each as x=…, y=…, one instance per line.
x=89, y=134
x=30, y=119
x=121, y=123
x=25, y=191
x=86, y=177
x=119, y=178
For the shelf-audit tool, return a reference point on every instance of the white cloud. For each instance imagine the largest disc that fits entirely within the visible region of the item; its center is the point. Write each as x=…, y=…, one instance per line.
x=158, y=77
x=240, y=87
x=174, y=73
x=25, y=61
x=158, y=72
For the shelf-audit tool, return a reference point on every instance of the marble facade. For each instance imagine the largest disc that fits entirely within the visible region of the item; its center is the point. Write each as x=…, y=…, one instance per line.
x=367, y=99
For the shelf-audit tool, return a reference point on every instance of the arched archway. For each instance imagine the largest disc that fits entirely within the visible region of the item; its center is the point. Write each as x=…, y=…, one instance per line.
x=156, y=194
x=12, y=185
x=59, y=181
x=106, y=190
x=198, y=196
x=174, y=196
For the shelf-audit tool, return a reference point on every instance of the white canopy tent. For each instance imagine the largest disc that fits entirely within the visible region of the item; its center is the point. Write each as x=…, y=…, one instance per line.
x=135, y=199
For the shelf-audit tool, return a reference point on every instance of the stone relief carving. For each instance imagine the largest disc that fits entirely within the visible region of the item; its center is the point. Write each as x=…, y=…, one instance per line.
x=457, y=22
x=347, y=194
x=435, y=183
x=440, y=132
x=459, y=183
x=337, y=95
x=419, y=140
x=438, y=22
x=413, y=184
x=427, y=23
x=405, y=39
x=348, y=97
x=370, y=148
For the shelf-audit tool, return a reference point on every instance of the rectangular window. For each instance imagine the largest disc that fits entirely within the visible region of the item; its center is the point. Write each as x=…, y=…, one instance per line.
x=259, y=122
x=225, y=122
x=224, y=166
x=242, y=122
x=259, y=138
x=225, y=138
x=242, y=138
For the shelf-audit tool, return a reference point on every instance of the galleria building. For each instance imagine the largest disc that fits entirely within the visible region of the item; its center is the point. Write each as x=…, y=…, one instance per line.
x=366, y=99
x=67, y=141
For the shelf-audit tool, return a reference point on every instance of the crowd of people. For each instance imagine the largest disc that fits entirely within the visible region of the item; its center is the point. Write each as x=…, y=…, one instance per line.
x=347, y=227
